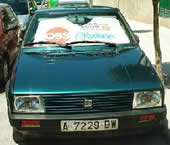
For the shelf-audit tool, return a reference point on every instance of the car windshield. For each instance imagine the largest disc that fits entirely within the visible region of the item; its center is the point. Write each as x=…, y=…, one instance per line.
x=76, y=28
x=20, y=7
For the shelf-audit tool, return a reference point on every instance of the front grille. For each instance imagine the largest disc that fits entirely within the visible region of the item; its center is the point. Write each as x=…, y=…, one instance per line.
x=74, y=103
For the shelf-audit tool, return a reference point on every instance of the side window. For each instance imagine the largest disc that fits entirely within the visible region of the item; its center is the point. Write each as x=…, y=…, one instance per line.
x=5, y=19
x=10, y=19
x=12, y=16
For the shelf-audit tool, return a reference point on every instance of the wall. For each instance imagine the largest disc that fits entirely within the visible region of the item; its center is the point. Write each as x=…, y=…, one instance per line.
x=140, y=10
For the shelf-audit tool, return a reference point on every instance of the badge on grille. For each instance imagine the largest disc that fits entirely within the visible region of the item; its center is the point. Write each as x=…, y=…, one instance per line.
x=88, y=103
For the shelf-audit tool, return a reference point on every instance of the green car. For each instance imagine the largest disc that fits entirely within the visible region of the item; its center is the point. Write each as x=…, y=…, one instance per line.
x=80, y=72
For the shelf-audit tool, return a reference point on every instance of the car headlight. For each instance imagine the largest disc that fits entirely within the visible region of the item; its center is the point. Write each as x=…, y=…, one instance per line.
x=28, y=104
x=147, y=99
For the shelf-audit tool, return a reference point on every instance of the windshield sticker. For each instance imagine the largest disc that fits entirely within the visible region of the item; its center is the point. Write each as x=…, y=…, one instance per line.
x=61, y=30
x=56, y=30
x=96, y=27
x=58, y=35
x=85, y=36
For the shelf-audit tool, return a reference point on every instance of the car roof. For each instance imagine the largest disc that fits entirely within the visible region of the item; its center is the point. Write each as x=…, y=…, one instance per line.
x=86, y=9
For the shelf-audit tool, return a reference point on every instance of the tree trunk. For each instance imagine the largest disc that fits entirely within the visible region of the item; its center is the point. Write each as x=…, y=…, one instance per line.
x=158, y=53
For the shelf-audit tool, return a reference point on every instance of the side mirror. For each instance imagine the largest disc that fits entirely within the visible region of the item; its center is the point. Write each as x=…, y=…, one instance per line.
x=137, y=38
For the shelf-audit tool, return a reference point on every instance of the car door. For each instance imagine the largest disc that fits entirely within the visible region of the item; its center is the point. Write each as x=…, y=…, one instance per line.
x=12, y=29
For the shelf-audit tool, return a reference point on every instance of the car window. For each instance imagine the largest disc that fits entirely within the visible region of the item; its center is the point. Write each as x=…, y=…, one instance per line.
x=11, y=15
x=20, y=7
x=73, y=28
x=6, y=19
x=10, y=20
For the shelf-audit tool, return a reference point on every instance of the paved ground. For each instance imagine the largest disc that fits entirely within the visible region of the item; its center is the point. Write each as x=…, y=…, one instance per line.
x=146, y=41
x=145, y=32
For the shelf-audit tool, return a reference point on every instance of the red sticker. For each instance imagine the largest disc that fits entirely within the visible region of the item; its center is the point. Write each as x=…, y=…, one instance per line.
x=58, y=35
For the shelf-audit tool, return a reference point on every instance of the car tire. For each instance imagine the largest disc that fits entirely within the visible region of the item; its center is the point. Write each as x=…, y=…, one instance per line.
x=18, y=137
x=4, y=72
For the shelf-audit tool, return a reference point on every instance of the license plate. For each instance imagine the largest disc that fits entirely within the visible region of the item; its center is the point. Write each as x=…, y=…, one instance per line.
x=89, y=125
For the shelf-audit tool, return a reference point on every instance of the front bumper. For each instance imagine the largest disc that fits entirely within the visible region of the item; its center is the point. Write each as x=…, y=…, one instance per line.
x=50, y=124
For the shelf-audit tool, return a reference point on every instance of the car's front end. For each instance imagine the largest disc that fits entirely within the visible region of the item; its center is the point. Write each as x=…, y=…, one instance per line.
x=108, y=96
x=100, y=120
x=82, y=88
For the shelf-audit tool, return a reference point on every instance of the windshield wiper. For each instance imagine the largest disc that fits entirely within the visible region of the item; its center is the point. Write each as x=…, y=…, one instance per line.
x=39, y=42
x=105, y=43
x=47, y=42
x=68, y=45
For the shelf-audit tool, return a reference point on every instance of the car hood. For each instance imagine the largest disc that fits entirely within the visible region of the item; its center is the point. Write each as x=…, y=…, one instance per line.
x=127, y=70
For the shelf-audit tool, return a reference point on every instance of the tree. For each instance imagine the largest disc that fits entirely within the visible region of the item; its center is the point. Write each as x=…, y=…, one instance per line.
x=158, y=53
